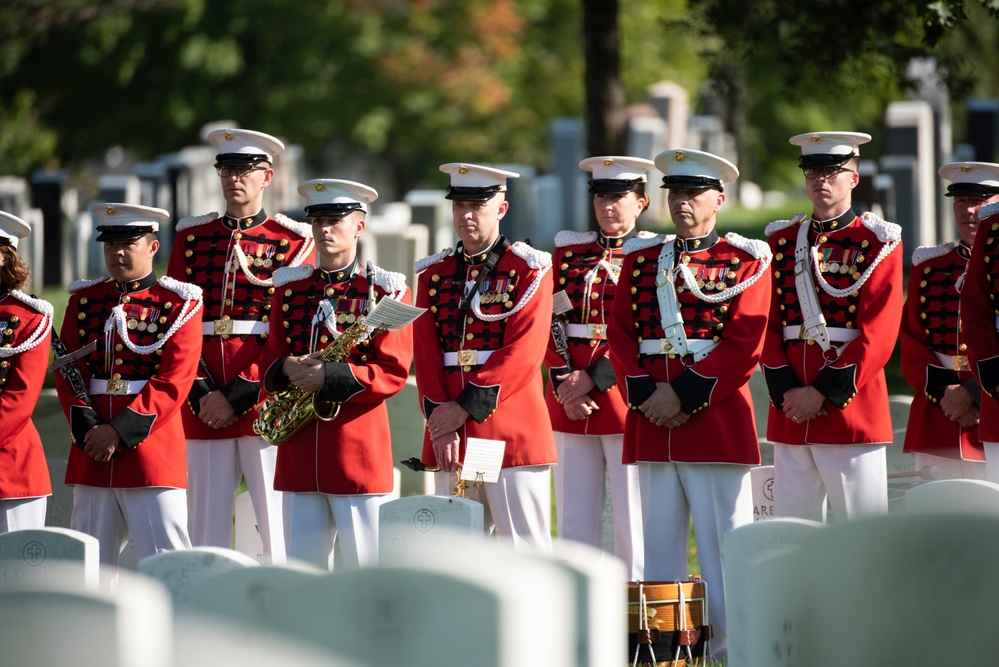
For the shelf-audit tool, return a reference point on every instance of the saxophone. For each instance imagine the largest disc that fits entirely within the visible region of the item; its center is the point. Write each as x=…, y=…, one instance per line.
x=284, y=413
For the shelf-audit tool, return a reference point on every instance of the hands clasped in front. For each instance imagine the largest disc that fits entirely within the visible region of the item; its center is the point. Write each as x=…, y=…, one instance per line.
x=574, y=395
x=663, y=407
x=443, y=426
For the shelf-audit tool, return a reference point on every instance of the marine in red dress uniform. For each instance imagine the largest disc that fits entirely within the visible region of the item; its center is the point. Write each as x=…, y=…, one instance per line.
x=478, y=369
x=234, y=256
x=128, y=466
x=684, y=346
x=25, y=336
x=335, y=474
x=980, y=321
x=943, y=422
x=829, y=417
x=584, y=399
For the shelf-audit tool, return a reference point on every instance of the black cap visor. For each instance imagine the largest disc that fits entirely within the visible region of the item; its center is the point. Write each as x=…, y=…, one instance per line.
x=109, y=234
x=240, y=159
x=337, y=210
x=823, y=160
x=473, y=194
x=614, y=186
x=691, y=183
x=971, y=190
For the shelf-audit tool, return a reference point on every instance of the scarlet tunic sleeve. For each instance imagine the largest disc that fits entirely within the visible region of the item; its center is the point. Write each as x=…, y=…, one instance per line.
x=978, y=307
x=24, y=374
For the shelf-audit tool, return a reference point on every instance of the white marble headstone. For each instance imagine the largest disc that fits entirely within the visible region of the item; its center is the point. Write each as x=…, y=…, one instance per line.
x=247, y=593
x=749, y=603
x=49, y=554
x=761, y=478
x=417, y=524
x=181, y=571
x=488, y=607
x=45, y=625
x=963, y=496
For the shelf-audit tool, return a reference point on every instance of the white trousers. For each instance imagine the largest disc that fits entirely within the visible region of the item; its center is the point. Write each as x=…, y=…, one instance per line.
x=154, y=517
x=954, y=468
x=517, y=506
x=313, y=521
x=720, y=498
x=584, y=461
x=22, y=513
x=991, y=461
x=214, y=469
x=854, y=478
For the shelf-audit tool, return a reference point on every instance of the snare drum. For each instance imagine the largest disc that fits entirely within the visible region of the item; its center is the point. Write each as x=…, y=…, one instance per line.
x=676, y=628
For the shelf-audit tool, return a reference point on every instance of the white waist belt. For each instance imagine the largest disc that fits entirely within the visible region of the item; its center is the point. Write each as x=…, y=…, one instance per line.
x=237, y=327
x=697, y=347
x=955, y=363
x=590, y=331
x=836, y=334
x=116, y=387
x=467, y=357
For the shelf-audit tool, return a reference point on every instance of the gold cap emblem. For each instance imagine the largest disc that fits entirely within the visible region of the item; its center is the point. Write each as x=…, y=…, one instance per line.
x=816, y=137
x=965, y=167
x=462, y=170
x=228, y=136
x=320, y=187
x=608, y=162
x=111, y=210
x=680, y=157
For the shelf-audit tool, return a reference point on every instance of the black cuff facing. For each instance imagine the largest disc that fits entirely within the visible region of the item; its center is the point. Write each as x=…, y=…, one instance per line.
x=602, y=374
x=988, y=374
x=937, y=381
x=199, y=390
x=639, y=389
x=837, y=385
x=242, y=395
x=693, y=390
x=429, y=407
x=274, y=378
x=81, y=420
x=479, y=402
x=132, y=427
x=779, y=380
x=974, y=389
x=552, y=373
x=340, y=384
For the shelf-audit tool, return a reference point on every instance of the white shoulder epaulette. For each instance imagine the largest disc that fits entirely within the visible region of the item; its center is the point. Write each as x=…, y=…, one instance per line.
x=41, y=305
x=886, y=231
x=925, y=252
x=303, y=229
x=988, y=210
x=187, y=291
x=390, y=281
x=568, y=237
x=289, y=274
x=536, y=259
x=423, y=264
x=78, y=285
x=194, y=221
x=641, y=243
x=778, y=225
x=755, y=247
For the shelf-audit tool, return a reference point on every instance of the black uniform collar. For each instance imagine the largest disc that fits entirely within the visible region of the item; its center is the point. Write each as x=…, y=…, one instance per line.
x=615, y=241
x=335, y=276
x=963, y=250
x=136, y=285
x=833, y=224
x=243, y=224
x=696, y=244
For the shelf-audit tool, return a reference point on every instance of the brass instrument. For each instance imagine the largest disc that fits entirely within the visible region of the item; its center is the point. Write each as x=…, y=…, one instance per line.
x=284, y=413
x=460, y=489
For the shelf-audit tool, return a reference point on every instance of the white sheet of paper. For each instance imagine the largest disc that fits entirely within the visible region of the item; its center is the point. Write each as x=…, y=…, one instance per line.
x=483, y=456
x=390, y=314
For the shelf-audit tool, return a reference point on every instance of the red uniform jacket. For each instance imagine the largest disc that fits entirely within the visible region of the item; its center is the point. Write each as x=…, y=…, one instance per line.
x=588, y=265
x=234, y=260
x=353, y=453
x=714, y=390
x=510, y=320
x=931, y=337
x=979, y=313
x=869, y=301
x=154, y=337
x=25, y=335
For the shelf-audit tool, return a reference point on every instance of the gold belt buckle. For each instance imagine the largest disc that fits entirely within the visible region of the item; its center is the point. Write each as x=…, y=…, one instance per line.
x=596, y=331
x=223, y=327
x=117, y=387
x=961, y=363
x=468, y=357
x=665, y=347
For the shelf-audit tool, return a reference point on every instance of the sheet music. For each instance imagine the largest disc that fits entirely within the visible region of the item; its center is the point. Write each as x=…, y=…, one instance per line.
x=391, y=315
x=483, y=457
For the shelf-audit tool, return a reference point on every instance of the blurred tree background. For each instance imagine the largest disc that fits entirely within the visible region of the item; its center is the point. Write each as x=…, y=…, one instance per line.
x=414, y=83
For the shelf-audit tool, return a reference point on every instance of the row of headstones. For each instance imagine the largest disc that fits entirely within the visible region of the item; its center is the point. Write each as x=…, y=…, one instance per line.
x=441, y=595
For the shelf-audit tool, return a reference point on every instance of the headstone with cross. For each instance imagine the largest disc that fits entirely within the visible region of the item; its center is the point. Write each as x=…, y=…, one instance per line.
x=57, y=555
x=181, y=571
x=418, y=524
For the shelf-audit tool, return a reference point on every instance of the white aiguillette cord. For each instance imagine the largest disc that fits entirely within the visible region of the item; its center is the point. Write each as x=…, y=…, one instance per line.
x=813, y=321
x=669, y=307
